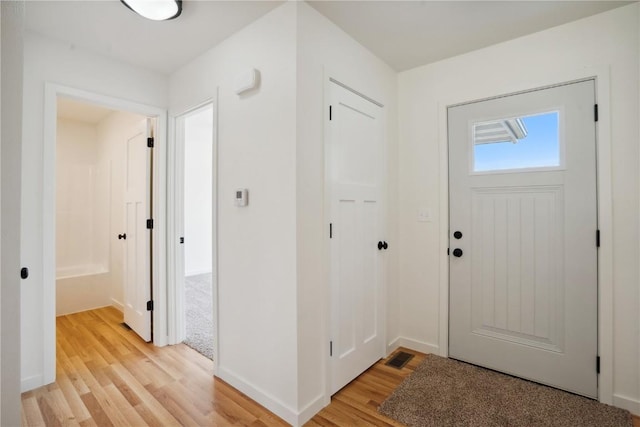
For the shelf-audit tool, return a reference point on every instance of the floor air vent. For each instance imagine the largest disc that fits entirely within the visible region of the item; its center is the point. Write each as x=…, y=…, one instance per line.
x=399, y=360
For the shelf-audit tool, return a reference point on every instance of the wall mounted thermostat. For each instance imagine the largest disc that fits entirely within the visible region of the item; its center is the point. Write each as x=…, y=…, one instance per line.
x=242, y=197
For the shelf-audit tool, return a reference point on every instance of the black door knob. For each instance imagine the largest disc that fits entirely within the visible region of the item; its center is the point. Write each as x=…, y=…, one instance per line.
x=457, y=252
x=384, y=245
x=24, y=272
x=457, y=234
x=122, y=236
x=380, y=245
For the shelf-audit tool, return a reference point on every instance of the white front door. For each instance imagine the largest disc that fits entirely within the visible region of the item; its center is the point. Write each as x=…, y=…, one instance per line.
x=354, y=156
x=137, y=253
x=523, y=224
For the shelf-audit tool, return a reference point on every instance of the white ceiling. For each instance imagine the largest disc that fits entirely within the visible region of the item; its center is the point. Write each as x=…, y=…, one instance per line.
x=404, y=34
x=109, y=28
x=407, y=34
x=76, y=110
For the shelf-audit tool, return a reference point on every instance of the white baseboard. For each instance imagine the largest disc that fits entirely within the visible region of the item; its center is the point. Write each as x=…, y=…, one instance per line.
x=312, y=408
x=30, y=383
x=117, y=304
x=411, y=344
x=624, y=402
x=84, y=309
x=196, y=272
x=262, y=397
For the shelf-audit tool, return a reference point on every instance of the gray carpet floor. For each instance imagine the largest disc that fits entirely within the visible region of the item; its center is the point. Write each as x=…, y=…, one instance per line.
x=199, y=314
x=443, y=392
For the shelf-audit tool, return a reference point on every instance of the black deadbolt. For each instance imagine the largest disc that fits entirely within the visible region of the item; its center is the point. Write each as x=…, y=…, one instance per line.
x=24, y=273
x=457, y=234
x=122, y=236
x=457, y=252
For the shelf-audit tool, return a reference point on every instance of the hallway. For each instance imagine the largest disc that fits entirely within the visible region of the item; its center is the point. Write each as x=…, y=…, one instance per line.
x=106, y=375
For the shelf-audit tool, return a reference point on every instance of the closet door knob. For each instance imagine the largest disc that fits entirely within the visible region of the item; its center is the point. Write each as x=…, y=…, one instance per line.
x=122, y=236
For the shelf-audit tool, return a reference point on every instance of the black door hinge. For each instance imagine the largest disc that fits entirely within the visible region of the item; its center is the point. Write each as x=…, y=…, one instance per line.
x=150, y=142
x=597, y=364
x=597, y=238
x=331, y=230
x=595, y=112
x=330, y=112
x=330, y=348
x=149, y=305
x=150, y=224
x=447, y=251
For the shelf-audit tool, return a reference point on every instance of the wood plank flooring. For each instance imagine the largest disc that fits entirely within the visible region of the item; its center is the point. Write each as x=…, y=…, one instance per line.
x=357, y=403
x=107, y=376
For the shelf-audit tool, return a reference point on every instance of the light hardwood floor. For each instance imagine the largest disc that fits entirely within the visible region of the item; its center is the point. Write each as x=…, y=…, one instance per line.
x=106, y=376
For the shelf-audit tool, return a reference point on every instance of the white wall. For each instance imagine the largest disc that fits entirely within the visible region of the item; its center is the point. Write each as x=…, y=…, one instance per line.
x=11, y=23
x=50, y=61
x=257, y=243
x=198, y=182
x=82, y=220
x=607, y=40
x=324, y=48
x=272, y=286
x=77, y=198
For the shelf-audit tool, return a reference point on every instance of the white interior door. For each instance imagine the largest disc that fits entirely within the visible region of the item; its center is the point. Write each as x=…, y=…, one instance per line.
x=137, y=253
x=523, y=223
x=354, y=153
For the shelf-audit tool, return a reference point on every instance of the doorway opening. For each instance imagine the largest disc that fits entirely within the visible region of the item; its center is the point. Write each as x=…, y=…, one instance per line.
x=157, y=218
x=103, y=198
x=195, y=161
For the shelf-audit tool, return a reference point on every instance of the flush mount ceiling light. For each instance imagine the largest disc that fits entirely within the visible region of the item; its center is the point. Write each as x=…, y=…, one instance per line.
x=156, y=10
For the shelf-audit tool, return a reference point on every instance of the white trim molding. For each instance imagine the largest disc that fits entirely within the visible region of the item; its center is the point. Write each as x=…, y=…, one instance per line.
x=628, y=403
x=262, y=397
x=52, y=92
x=412, y=344
x=175, y=221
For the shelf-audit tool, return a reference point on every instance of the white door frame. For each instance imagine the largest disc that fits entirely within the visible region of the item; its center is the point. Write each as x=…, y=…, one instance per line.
x=52, y=92
x=605, y=211
x=175, y=266
x=330, y=78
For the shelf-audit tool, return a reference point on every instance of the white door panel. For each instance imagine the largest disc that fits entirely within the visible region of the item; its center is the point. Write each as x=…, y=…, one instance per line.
x=137, y=253
x=354, y=155
x=523, y=292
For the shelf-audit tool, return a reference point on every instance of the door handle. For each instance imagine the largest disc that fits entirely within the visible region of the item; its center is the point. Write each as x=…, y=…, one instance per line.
x=382, y=245
x=122, y=236
x=457, y=252
x=457, y=234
